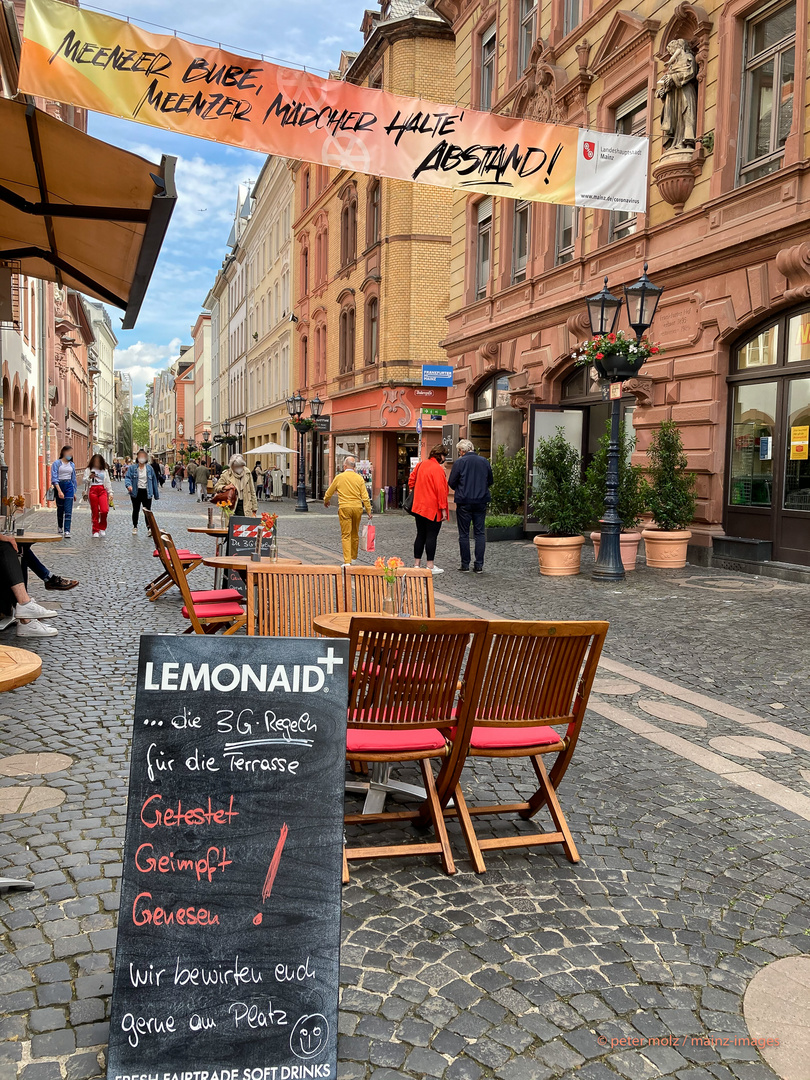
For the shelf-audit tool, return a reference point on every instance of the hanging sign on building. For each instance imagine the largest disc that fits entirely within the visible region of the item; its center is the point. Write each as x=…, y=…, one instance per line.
x=98, y=62
x=229, y=927
x=437, y=375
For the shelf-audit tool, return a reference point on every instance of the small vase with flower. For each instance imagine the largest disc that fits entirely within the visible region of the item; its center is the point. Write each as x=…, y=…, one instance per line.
x=391, y=599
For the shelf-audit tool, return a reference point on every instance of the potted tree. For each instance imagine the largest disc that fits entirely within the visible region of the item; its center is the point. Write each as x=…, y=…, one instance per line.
x=632, y=493
x=671, y=499
x=504, y=519
x=560, y=502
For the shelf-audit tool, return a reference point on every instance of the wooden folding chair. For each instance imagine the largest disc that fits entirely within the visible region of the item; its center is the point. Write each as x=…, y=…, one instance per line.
x=165, y=580
x=284, y=600
x=366, y=590
x=198, y=596
x=204, y=618
x=534, y=675
x=412, y=681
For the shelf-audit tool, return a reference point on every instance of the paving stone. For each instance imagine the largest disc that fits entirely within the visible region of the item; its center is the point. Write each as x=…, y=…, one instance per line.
x=53, y=1044
x=82, y=1067
x=42, y=1070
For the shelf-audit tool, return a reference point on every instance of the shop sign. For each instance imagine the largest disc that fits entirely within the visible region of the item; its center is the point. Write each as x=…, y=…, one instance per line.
x=322, y=423
x=799, y=437
x=765, y=448
x=437, y=375
x=615, y=391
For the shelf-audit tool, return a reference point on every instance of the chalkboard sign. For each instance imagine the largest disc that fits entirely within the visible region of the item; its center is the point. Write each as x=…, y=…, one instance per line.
x=242, y=532
x=229, y=929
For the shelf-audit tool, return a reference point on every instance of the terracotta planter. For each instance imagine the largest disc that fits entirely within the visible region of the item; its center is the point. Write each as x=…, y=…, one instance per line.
x=559, y=556
x=666, y=550
x=629, y=544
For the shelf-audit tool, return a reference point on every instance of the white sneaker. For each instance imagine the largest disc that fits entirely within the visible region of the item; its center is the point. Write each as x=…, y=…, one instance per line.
x=66, y=535
x=96, y=536
x=36, y=629
x=6, y=621
x=348, y=564
x=33, y=610
x=103, y=532
x=436, y=570
x=135, y=531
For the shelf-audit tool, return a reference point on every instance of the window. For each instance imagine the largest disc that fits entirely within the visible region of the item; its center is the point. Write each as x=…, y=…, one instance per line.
x=373, y=213
x=346, y=340
x=567, y=221
x=520, y=240
x=631, y=119
x=769, y=77
x=305, y=272
x=306, y=188
x=526, y=32
x=493, y=394
x=372, y=330
x=304, y=361
x=483, y=247
x=376, y=80
x=488, y=47
x=572, y=15
x=348, y=229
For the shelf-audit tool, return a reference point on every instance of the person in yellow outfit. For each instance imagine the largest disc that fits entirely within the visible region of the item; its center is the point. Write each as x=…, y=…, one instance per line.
x=352, y=500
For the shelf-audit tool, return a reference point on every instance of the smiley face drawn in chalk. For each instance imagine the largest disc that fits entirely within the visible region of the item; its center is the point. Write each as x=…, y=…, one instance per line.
x=309, y=1036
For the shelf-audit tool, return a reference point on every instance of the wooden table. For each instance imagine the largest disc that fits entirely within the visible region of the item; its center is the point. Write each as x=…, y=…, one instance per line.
x=34, y=538
x=243, y=563
x=17, y=668
x=380, y=783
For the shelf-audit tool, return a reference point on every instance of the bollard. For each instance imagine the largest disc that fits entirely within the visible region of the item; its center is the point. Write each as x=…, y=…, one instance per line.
x=382, y=500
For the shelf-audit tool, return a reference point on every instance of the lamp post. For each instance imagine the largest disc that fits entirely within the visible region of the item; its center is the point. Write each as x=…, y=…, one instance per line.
x=641, y=301
x=239, y=427
x=295, y=407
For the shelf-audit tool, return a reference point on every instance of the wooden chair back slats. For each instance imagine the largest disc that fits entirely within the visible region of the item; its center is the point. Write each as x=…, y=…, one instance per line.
x=536, y=673
x=289, y=598
x=181, y=581
x=408, y=673
x=366, y=590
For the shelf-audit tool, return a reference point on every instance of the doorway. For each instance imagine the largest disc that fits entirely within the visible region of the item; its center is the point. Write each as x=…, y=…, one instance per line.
x=767, y=463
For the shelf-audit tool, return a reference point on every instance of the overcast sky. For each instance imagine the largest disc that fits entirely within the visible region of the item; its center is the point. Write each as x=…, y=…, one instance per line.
x=310, y=33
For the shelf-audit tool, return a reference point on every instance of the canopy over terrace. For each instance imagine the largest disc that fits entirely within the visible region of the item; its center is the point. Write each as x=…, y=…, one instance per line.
x=80, y=212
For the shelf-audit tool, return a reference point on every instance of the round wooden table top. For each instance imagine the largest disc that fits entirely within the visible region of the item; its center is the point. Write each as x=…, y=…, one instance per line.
x=245, y=563
x=214, y=530
x=339, y=624
x=18, y=667
x=37, y=538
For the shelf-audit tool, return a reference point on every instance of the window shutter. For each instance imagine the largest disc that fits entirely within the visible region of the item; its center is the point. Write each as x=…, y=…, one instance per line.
x=484, y=209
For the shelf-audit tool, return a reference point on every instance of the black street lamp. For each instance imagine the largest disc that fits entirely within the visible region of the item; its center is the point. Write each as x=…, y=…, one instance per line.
x=641, y=300
x=295, y=407
x=239, y=427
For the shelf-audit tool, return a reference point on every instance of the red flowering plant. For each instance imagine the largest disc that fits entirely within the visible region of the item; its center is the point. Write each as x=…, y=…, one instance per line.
x=266, y=527
x=617, y=353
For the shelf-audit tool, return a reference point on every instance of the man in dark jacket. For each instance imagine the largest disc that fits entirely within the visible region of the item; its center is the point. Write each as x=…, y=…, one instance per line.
x=471, y=479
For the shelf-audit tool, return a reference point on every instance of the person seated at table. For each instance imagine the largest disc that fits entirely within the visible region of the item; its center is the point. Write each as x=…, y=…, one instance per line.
x=15, y=603
x=237, y=476
x=52, y=581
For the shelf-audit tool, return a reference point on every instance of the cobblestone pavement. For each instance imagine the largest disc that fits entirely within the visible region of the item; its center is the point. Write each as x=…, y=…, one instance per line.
x=689, y=799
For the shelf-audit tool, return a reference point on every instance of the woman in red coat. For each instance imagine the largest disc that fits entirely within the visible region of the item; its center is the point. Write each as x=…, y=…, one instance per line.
x=429, y=483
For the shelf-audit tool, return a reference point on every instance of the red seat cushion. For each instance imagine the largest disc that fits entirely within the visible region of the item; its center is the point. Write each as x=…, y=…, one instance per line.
x=506, y=738
x=216, y=611
x=217, y=596
x=184, y=554
x=391, y=741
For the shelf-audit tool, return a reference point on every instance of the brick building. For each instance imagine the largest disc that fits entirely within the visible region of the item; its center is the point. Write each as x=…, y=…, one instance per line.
x=725, y=233
x=371, y=270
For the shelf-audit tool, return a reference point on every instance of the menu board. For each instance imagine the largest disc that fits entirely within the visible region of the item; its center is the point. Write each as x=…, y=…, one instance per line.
x=229, y=928
x=242, y=533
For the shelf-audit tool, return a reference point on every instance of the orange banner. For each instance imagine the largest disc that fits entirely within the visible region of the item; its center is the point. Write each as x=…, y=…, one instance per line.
x=110, y=66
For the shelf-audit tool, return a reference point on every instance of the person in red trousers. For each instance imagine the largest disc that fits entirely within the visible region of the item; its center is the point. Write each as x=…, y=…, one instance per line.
x=98, y=489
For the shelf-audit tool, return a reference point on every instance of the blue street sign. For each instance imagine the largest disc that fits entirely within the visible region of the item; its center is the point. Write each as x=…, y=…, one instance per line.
x=437, y=375
x=419, y=426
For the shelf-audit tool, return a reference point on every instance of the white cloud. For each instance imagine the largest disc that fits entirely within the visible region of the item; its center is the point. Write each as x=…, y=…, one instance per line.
x=143, y=360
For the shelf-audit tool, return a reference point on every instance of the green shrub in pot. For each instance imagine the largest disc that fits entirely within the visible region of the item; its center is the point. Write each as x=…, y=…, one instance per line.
x=672, y=499
x=632, y=485
x=560, y=502
x=508, y=482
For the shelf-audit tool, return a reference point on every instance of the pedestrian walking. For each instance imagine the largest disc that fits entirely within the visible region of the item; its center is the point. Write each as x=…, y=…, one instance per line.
x=65, y=486
x=177, y=476
x=160, y=472
x=191, y=473
x=237, y=476
x=471, y=478
x=201, y=481
x=352, y=501
x=429, y=485
x=98, y=492
x=142, y=485
x=258, y=479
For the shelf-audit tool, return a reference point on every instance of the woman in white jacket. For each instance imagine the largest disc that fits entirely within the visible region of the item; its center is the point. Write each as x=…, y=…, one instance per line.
x=98, y=489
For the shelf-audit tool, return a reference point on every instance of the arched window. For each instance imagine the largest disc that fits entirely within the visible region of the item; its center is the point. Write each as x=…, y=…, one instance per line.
x=305, y=188
x=304, y=361
x=348, y=226
x=346, y=340
x=373, y=212
x=305, y=269
x=493, y=394
x=372, y=334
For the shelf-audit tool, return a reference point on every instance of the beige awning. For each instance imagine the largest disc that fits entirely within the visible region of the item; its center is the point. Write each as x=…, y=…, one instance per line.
x=80, y=212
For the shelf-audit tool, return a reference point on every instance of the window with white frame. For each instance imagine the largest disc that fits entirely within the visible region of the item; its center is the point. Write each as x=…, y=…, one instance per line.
x=631, y=119
x=483, y=246
x=527, y=32
x=768, y=89
x=566, y=234
x=488, y=48
x=520, y=240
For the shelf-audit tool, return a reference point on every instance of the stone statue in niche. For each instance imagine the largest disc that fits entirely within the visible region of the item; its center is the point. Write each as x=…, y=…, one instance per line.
x=677, y=88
